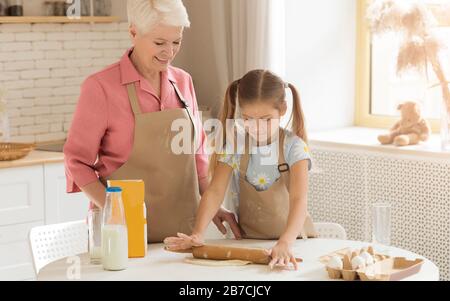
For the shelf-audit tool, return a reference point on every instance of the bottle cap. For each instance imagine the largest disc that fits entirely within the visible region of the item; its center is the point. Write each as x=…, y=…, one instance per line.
x=113, y=189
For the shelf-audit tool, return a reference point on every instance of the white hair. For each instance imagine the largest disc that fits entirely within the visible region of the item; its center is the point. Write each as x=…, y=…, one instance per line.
x=145, y=14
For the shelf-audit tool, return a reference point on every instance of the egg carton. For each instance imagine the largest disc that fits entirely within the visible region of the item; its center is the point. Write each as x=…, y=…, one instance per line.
x=383, y=268
x=347, y=255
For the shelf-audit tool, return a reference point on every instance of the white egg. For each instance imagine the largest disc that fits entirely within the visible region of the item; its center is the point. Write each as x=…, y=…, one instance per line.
x=335, y=262
x=358, y=263
x=367, y=257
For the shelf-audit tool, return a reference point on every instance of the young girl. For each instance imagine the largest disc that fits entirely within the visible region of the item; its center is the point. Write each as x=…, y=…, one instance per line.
x=271, y=191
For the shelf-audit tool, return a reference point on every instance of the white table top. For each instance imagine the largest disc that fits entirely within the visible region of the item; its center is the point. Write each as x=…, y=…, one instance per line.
x=161, y=265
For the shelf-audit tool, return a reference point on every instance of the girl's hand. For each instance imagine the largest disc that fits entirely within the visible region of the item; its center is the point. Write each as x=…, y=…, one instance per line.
x=224, y=215
x=281, y=255
x=183, y=242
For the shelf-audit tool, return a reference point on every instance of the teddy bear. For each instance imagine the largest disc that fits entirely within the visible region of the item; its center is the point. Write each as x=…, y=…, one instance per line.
x=410, y=130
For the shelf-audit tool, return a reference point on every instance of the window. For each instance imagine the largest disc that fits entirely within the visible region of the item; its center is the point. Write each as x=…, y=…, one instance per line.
x=378, y=88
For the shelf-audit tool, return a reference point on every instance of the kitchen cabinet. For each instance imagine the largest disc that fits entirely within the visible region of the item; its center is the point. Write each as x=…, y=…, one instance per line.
x=15, y=253
x=60, y=206
x=32, y=196
x=22, y=195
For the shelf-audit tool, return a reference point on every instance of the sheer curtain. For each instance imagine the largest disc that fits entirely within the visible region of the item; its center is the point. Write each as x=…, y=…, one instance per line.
x=248, y=34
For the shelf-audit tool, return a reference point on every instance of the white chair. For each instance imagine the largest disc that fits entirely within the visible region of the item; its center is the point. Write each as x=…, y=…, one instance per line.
x=330, y=230
x=53, y=242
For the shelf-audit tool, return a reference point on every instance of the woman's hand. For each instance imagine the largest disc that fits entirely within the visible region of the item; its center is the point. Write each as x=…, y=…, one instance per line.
x=281, y=255
x=183, y=242
x=224, y=215
x=96, y=194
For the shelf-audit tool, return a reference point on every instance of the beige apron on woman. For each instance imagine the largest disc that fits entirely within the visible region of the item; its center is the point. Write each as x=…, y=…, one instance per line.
x=264, y=214
x=171, y=181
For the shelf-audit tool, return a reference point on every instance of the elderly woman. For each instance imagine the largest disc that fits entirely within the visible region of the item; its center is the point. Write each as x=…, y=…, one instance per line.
x=122, y=125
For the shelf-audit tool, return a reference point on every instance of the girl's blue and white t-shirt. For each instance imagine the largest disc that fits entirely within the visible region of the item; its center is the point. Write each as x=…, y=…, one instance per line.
x=262, y=169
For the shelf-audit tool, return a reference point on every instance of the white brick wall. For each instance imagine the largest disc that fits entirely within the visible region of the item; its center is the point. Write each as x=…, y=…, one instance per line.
x=42, y=67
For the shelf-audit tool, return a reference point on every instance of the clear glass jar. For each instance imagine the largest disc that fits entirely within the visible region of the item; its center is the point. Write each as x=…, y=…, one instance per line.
x=102, y=8
x=381, y=224
x=95, y=235
x=114, y=232
x=445, y=117
x=439, y=94
x=49, y=8
x=445, y=126
x=59, y=8
x=5, y=135
x=4, y=120
x=14, y=8
x=85, y=8
x=3, y=6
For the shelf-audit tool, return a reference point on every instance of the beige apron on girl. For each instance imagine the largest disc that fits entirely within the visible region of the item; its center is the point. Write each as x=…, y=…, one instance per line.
x=171, y=182
x=264, y=214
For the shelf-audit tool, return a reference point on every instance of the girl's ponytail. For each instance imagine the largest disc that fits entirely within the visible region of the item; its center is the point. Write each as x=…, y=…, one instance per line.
x=298, y=118
x=228, y=111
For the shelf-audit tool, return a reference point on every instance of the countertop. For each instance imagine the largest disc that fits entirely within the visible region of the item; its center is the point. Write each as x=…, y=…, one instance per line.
x=34, y=158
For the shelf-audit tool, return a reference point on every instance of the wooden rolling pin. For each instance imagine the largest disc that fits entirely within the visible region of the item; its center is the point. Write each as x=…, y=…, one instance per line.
x=217, y=252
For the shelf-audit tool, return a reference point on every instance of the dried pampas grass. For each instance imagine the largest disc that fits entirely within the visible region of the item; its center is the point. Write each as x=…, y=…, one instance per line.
x=386, y=15
x=417, y=52
x=412, y=55
x=419, y=46
x=418, y=20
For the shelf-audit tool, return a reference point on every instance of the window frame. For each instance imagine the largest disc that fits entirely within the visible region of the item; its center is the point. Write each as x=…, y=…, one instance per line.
x=363, y=117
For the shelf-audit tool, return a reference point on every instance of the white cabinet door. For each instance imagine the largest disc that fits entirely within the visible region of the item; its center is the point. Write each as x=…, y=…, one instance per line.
x=21, y=195
x=61, y=206
x=16, y=261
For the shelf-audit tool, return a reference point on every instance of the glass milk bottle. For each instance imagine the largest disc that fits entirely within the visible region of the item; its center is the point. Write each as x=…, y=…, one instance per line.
x=114, y=232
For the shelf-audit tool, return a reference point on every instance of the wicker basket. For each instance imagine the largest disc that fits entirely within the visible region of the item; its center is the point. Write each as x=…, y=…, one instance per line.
x=14, y=151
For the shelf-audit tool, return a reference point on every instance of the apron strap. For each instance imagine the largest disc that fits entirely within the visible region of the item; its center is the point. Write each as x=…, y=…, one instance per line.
x=245, y=158
x=283, y=167
x=186, y=107
x=134, y=101
x=132, y=96
x=180, y=96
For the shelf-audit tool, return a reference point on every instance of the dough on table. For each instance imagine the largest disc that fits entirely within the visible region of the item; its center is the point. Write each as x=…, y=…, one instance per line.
x=216, y=263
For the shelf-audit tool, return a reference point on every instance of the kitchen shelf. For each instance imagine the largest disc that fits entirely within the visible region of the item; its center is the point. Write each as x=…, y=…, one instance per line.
x=43, y=19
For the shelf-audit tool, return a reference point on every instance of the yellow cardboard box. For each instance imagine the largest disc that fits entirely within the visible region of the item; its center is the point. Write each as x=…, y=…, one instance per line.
x=133, y=195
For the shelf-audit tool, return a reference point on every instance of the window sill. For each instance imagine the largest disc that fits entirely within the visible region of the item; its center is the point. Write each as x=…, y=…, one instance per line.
x=365, y=139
